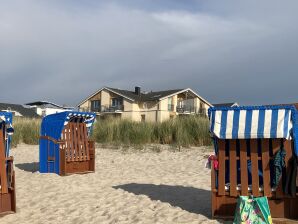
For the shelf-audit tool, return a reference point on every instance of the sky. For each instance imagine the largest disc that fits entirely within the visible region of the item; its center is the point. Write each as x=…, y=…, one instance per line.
x=226, y=51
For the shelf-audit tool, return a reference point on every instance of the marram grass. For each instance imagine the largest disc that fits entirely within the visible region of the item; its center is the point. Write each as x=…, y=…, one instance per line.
x=26, y=131
x=184, y=131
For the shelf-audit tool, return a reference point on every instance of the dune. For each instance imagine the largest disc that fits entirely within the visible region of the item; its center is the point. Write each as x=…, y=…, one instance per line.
x=127, y=187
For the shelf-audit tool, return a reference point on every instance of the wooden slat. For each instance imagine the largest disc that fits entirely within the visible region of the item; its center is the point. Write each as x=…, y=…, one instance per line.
x=254, y=167
x=66, y=145
x=78, y=129
x=72, y=137
x=266, y=168
x=222, y=167
x=77, y=142
x=243, y=168
x=213, y=176
x=69, y=137
x=3, y=177
x=82, y=147
x=79, y=150
x=74, y=141
x=69, y=148
x=213, y=187
x=83, y=141
x=51, y=158
x=86, y=142
x=233, y=168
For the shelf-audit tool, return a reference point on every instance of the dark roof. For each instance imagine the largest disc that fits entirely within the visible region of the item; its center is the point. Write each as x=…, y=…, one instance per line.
x=224, y=104
x=26, y=112
x=43, y=103
x=143, y=97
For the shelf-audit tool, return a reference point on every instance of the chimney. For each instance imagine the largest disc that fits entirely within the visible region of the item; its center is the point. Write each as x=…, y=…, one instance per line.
x=138, y=90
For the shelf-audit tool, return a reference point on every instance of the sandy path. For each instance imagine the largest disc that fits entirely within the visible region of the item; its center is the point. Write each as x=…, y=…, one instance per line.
x=148, y=187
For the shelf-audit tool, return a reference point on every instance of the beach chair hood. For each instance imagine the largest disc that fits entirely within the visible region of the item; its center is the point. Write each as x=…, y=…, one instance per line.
x=52, y=125
x=252, y=122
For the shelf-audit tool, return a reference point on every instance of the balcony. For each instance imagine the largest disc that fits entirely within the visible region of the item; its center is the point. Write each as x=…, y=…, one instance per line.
x=108, y=109
x=186, y=109
x=190, y=109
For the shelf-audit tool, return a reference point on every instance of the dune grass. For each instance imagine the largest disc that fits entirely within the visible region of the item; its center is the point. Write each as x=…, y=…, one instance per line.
x=26, y=131
x=184, y=131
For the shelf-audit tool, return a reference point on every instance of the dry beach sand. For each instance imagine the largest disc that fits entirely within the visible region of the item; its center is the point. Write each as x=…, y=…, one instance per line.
x=127, y=187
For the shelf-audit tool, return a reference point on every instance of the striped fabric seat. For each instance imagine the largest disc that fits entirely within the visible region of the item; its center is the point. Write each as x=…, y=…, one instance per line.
x=251, y=122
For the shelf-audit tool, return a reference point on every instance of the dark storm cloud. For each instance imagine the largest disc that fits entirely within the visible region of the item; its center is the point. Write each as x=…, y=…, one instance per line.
x=226, y=51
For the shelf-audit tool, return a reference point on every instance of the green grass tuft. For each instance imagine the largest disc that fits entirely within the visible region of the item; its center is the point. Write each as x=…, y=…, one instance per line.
x=181, y=131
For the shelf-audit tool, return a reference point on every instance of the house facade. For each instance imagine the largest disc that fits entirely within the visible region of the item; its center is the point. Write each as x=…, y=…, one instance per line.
x=145, y=106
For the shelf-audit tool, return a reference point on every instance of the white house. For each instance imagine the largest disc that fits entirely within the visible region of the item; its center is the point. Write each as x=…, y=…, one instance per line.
x=44, y=108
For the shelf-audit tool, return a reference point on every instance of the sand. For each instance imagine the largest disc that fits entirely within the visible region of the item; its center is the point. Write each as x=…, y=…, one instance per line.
x=127, y=187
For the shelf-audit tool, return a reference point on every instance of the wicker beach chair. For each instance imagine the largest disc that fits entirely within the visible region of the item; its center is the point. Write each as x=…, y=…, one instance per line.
x=7, y=174
x=64, y=144
x=248, y=141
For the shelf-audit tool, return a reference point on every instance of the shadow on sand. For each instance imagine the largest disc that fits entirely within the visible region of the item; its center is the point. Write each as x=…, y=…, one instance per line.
x=28, y=167
x=188, y=198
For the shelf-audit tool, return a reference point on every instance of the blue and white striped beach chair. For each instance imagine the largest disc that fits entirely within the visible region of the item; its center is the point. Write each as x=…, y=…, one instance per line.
x=251, y=144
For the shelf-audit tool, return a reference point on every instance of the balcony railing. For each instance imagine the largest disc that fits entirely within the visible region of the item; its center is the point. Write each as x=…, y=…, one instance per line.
x=186, y=109
x=108, y=108
x=190, y=109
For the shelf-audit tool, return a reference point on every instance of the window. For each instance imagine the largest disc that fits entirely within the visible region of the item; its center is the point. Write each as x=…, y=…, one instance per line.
x=117, y=102
x=95, y=104
x=170, y=104
x=143, y=117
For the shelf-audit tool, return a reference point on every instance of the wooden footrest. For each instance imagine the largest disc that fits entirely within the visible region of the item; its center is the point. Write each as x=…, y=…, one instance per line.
x=51, y=158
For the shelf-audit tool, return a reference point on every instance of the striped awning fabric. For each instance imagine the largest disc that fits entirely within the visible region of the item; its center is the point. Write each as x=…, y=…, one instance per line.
x=87, y=118
x=7, y=121
x=251, y=122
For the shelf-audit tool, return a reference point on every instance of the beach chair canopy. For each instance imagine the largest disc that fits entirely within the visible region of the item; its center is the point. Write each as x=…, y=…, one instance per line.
x=6, y=122
x=52, y=125
x=252, y=122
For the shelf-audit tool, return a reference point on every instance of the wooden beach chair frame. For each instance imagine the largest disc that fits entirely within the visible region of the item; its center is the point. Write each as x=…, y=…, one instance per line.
x=224, y=198
x=73, y=152
x=7, y=179
x=231, y=179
